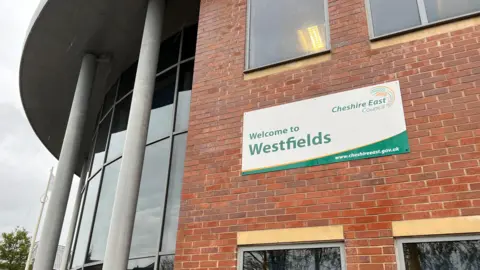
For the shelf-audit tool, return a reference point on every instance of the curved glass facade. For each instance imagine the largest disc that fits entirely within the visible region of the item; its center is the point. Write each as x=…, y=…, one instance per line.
x=156, y=221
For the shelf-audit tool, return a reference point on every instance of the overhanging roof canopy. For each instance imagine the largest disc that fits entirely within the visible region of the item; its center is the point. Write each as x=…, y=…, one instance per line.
x=60, y=32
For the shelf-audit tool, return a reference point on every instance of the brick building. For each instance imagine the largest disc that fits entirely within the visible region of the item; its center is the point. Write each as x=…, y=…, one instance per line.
x=221, y=59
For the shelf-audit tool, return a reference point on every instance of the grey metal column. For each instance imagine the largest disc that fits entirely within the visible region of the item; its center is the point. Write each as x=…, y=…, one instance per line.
x=52, y=227
x=124, y=207
x=73, y=221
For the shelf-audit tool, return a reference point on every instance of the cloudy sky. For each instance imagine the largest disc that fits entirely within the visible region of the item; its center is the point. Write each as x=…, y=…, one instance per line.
x=24, y=161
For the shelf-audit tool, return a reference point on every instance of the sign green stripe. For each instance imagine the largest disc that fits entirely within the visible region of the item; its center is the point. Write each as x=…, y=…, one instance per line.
x=395, y=145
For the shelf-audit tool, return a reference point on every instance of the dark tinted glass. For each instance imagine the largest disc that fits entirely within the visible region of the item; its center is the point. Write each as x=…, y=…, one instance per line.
x=174, y=193
x=86, y=222
x=119, y=128
x=169, y=52
x=141, y=264
x=161, y=116
x=149, y=217
x=109, y=99
x=99, y=152
x=444, y=9
x=104, y=212
x=285, y=29
x=127, y=80
x=94, y=267
x=189, y=41
x=166, y=263
x=390, y=16
x=442, y=255
x=184, y=96
x=186, y=76
x=293, y=259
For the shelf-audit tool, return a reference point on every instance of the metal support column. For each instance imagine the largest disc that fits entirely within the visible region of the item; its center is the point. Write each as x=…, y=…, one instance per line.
x=124, y=207
x=52, y=227
x=73, y=221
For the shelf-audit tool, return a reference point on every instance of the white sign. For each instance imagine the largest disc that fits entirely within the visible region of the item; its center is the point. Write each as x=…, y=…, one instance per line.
x=363, y=123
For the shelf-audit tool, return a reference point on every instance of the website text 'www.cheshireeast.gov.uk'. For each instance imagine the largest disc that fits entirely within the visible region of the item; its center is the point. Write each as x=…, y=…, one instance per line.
x=368, y=153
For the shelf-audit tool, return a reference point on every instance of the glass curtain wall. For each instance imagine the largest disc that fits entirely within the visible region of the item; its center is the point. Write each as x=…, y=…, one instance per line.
x=156, y=221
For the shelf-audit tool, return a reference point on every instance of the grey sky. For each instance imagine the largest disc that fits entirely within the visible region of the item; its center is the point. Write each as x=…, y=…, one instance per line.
x=24, y=161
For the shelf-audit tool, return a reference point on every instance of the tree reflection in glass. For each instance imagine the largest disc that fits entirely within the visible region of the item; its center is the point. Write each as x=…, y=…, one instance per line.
x=166, y=263
x=293, y=259
x=142, y=264
x=460, y=255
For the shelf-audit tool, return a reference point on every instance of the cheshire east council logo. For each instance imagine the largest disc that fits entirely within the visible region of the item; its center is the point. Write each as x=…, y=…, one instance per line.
x=383, y=91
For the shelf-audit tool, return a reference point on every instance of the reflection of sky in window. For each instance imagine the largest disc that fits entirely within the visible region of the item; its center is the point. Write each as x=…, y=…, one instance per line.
x=76, y=227
x=274, y=25
x=183, y=108
x=184, y=96
x=161, y=116
x=146, y=232
x=444, y=9
x=174, y=191
x=104, y=211
x=393, y=15
x=86, y=222
x=160, y=123
x=148, y=219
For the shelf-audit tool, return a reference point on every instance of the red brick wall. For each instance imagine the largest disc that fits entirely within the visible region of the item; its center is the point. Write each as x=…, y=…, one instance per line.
x=440, y=82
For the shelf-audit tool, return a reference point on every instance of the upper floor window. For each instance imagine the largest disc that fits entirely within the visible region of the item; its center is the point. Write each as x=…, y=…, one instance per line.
x=282, y=30
x=393, y=16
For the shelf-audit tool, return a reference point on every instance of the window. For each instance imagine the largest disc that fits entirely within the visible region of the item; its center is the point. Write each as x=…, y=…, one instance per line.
x=86, y=222
x=149, y=216
x=393, y=16
x=141, y=264
x=172, y=209
x=100, y=144
x=156, y=220
x=282, y=30
x=461, y=252
x=101, y=224
x=292, y=257
x=118, y=131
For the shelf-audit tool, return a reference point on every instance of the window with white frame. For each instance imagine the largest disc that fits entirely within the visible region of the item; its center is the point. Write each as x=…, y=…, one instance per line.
x=327, y=256
x=394, y=16
x=283, y=30
x=439, y=253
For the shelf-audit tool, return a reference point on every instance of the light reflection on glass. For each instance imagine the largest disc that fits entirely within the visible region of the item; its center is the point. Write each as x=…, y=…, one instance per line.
x=315, y=41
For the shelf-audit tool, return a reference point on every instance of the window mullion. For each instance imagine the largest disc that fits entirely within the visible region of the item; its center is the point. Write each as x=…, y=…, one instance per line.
x=400, y=255
x=177, y=84
x=247, y=30
x=422, y=10
x=110, y=127
x=371, y=33
x=327, y=25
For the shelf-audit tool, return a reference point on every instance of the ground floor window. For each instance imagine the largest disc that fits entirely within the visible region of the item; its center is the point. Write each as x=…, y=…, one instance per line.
x=449, y=252
x=292, y=257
